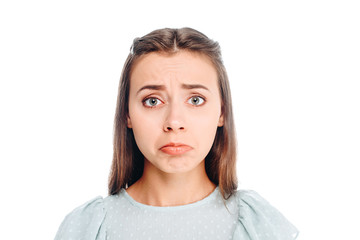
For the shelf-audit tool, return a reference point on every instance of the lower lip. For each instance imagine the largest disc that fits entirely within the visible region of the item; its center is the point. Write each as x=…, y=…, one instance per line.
x=176, y=150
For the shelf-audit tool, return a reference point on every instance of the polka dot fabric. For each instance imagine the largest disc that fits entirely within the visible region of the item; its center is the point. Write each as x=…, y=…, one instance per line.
x=84, y=223
x=244, y=216
x=258, y=220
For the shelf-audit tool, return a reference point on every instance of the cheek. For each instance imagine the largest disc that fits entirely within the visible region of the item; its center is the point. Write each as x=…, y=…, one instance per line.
x=205, y=126
x=145, y=127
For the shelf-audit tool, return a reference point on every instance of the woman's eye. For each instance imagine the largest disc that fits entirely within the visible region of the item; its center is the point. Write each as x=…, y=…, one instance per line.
x=196, y=100
x=151, y=102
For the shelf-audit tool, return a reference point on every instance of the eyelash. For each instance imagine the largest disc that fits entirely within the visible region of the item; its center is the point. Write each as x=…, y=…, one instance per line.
x=194, y=96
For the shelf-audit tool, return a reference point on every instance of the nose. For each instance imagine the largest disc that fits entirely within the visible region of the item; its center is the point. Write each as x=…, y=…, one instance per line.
x=174, y=121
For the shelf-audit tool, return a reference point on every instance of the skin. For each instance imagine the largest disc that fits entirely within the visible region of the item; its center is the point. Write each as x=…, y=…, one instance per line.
x=173, y=99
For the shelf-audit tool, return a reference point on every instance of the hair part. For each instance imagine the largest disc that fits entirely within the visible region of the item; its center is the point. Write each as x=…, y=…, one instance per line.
x=128, y=161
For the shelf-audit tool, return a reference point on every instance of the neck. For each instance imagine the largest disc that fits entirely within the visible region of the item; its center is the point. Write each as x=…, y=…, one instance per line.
x=158, y=188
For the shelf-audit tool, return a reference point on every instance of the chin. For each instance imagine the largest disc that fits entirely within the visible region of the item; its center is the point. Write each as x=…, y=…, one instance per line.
x=179, y=168
x=176, y=165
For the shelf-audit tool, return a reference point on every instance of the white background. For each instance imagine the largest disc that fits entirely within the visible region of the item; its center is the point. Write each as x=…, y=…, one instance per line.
x=294, y=74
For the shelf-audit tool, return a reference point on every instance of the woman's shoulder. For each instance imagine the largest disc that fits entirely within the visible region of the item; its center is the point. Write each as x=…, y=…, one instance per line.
x=258, y=219
x=84, y=222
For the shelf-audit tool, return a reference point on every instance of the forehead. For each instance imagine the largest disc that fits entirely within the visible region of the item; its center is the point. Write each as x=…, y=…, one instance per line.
x=183, y=66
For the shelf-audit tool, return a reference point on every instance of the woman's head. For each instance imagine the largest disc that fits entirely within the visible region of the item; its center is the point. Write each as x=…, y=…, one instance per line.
x=196, y=65
x=174, y=111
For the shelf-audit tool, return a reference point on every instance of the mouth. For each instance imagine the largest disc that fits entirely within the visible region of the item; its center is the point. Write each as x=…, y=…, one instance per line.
x=175, y=148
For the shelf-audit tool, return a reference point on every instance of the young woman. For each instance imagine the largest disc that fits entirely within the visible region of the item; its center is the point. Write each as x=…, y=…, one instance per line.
x=173, y=174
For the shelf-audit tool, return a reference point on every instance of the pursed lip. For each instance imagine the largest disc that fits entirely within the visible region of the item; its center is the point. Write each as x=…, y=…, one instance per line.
x=175, y=148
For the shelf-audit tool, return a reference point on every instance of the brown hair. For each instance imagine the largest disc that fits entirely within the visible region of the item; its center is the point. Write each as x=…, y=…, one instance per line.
x=128, y=162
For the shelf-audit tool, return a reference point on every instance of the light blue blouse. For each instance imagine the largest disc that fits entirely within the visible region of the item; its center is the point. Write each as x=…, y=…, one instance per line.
x=245, y=215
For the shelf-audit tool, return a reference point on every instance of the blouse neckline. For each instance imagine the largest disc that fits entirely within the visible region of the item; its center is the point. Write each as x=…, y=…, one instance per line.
x=205, y=200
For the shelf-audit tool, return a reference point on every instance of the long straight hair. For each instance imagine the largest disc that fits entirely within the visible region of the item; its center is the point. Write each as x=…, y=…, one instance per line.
x=128, y=162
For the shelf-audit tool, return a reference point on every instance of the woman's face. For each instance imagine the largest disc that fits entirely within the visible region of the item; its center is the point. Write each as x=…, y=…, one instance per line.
x=174, y=109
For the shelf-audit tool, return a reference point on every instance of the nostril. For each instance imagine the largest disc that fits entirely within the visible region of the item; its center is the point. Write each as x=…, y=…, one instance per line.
x=170, y=128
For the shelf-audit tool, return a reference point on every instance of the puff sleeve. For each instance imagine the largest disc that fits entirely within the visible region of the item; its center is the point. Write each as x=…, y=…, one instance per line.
x=84, y=222
x=258, y=220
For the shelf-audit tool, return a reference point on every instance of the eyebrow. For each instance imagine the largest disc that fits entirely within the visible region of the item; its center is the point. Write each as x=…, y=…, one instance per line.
x=162, y=87
x=192, y=86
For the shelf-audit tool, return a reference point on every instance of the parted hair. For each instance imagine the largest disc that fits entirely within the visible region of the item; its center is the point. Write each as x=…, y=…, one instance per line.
x=128, y=161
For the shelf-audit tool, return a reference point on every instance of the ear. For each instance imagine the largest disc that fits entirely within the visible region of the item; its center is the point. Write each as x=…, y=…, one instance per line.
x=128, y=122
x=221, y=121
